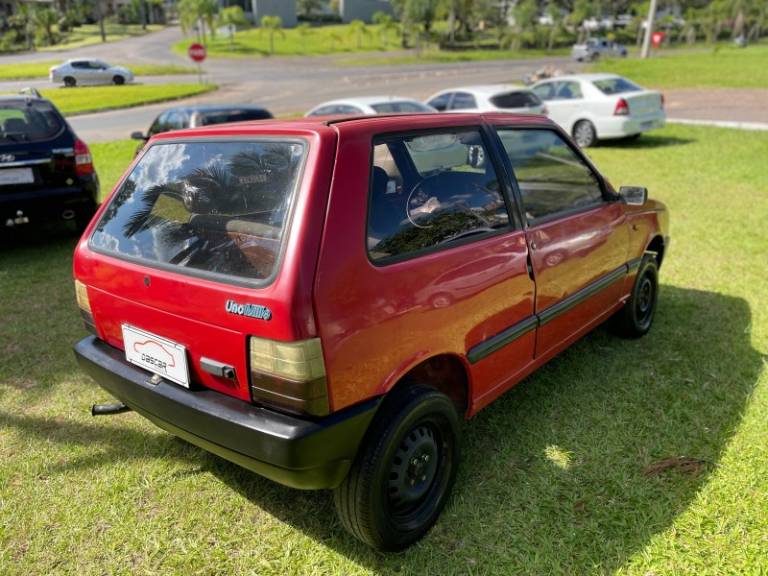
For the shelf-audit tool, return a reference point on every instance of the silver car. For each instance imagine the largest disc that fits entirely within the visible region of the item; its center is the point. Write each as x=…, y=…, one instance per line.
x=89, y=72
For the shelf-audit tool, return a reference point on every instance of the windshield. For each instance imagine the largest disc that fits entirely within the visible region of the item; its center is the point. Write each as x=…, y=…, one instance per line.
x=213, y=207
x=28, y=121
x=616, y=86
x=400, y=106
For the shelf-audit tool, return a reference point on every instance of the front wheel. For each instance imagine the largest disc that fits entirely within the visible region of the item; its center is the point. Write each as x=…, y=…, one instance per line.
x=70, y=82
x=404, y=472
x=118, y=80
x=636, y=317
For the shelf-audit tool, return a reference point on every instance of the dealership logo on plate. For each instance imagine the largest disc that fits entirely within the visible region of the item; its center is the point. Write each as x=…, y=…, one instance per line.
x=7, y=157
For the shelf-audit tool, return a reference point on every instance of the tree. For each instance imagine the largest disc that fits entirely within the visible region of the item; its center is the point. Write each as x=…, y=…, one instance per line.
x=274, y=26
x=305, y=31
x=200, y=13
x=386, y=23
x=308, y=7
x=45, y=19
x=359, y=30
x=232, y=16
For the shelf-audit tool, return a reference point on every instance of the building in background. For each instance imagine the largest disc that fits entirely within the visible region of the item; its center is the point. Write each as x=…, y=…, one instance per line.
x=286, y=9
x=362, y=9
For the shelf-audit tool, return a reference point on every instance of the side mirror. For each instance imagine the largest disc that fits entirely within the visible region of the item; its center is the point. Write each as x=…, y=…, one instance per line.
x=138, y=136
x=633, y=195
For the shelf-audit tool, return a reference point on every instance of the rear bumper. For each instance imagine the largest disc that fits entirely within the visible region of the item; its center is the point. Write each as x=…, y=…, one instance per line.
x=290, y=450
x=622, y=126
x=49, y=203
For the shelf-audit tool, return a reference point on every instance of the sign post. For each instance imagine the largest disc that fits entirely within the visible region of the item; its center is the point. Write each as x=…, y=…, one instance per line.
x=197, y=54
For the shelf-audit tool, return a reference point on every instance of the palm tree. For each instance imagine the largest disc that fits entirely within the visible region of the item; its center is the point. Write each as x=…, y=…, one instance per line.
x=232, y=16
x=46, y=18
x=358, y=29
x=386, y=23
x=273, y=25
x=304, y=30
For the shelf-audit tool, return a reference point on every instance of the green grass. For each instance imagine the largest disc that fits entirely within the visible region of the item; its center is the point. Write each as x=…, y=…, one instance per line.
x=111, y=159
x=726, y=67
x=319, y=40
x=22, y=71
x=81, y=100
x=89, y=34
x=552, y=479
x=448, y=56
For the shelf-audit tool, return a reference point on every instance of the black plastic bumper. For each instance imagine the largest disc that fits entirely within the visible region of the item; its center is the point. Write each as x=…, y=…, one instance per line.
x=50, y=203
x=287, y=449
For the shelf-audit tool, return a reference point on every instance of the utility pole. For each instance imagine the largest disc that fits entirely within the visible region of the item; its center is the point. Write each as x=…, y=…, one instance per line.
x=649, y=30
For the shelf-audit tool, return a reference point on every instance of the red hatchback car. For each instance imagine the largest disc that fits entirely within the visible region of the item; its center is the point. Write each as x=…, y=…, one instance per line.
x=321, y=301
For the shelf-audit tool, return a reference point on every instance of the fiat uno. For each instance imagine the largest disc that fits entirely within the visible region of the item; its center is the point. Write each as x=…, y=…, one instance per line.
x=321, y=301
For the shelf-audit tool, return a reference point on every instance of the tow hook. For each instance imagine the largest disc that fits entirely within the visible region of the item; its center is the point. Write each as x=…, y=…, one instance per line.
x=109, y=409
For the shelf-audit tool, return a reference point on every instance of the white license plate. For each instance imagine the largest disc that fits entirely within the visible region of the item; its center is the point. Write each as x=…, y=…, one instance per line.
x=156, y=354
x=16, y=176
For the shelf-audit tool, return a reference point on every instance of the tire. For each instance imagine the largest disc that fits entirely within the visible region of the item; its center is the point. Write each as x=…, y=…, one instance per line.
x=118, y=80
x=70, y=82
x=636, y=317
x=585, y=134
x=411, y=452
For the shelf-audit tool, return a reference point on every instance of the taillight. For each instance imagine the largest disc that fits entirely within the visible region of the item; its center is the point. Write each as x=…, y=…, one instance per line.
x=83, y=160
x=289, y=375
x=81, y=294
x=622, y=108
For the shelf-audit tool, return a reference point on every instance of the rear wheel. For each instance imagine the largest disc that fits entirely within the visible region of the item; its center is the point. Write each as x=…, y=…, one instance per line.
x=69, y=82
x=118, y=80
x=636, y=317
x=404, y=471
x=585, y=134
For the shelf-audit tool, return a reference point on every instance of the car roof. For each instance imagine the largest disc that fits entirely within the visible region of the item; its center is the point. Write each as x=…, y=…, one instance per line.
x=488, y=89
x=384, y=122
x=367, y=100
x=216, y=108
x=21, y=98
x=586, y=77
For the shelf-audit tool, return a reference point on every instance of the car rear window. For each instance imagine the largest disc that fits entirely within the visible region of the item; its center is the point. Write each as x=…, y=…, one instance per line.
x=400, y=106
x=522, y=99
x=616, y=86
x=208, y=207
x=28, y=121
x=224, y=116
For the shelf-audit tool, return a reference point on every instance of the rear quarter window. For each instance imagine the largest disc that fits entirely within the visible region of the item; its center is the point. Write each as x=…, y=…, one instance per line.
x=616, y=86
x=522, y=99
x=205, y=207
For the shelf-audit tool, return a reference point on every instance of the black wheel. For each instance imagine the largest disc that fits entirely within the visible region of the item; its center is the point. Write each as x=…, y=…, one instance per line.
x=69, y=82
x=636, y=317
x=404, y=471
x=118, y=80
x=585, y=134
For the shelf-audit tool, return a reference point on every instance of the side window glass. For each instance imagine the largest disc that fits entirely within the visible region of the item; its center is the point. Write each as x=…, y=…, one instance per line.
x=463, y=101
x=431, y=190
x=176, y=121
x=568, y=91
x=441, y=102
x=551, y=176
x=544, y=91
x=158, y=125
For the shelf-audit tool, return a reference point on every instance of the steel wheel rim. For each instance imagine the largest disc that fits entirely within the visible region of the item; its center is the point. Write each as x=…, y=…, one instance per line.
x=645, y=296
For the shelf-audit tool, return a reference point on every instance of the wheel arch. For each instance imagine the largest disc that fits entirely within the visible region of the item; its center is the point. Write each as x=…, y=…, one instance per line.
x=657, y=247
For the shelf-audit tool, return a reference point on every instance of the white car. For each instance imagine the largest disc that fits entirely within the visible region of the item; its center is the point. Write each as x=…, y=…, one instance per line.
x=594, y=107
x=89, y=72
x=369, y=105
x=511, y=98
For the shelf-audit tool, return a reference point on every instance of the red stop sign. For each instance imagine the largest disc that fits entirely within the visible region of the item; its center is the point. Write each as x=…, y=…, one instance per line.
x=196, y=52
x=657, y=38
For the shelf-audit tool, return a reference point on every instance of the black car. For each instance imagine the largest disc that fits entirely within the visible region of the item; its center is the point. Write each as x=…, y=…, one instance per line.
x=203, y=115
x=46, y=171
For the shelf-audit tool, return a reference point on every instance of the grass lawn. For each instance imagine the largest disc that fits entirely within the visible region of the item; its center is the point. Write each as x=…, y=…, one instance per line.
x=553, y=478
x=725, y=67
x=40, y=69
x=448, y=56
x=290, y=42
x=85, y=99
x=89, y=34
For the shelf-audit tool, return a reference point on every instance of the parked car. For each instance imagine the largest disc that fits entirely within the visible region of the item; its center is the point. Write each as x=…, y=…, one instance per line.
x=195, y=116
x=489, y=98
x=311, y=299
x=46, y=171
x=595, y=48
x=595, y=107
x=366, y=105
x=89, y=72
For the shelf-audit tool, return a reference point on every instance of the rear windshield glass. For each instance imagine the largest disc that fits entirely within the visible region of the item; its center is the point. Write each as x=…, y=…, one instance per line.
x=400, y=106
x=224, y=116
x=213, y=207
x=28, y=121
x=616, y=86
x=516, y=100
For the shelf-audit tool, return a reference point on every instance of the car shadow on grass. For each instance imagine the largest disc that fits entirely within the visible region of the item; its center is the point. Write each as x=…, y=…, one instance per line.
x=645, y=141
x=582, y=463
